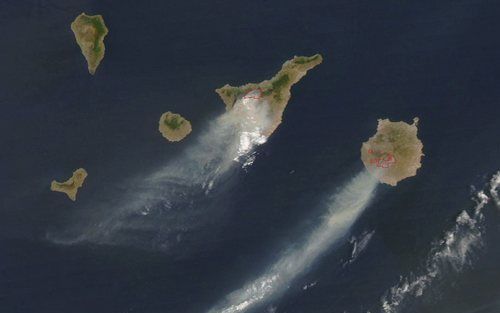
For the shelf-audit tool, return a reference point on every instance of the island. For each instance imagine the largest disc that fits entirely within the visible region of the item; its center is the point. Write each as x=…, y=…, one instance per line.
x=173, y=126
x=90, y=31
x=70, y=187
x=394, y=152
x=275, y=91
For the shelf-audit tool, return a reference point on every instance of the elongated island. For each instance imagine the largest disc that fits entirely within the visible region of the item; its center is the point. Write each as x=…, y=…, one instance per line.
x=275, y=91
x=173, y=126
x=71, y=186
x=394, y=152
x=90, y=31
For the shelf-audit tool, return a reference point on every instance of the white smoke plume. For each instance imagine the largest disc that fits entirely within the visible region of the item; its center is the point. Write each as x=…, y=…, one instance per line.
x=156, y=210
x=343, y=210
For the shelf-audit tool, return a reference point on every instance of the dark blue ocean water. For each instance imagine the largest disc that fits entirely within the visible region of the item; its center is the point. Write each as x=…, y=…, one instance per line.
x=382, y=59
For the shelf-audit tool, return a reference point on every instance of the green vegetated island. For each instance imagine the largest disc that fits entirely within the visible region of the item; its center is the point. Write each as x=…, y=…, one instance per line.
x=394, y=152
x=71, y=186
x=275, y=91
x=90, y=31
x=173, y=126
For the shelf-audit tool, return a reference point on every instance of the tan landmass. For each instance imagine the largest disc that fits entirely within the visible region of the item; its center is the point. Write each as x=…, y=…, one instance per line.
x=394, y=152
x=70, y=187
x=173, y=126
x=275, y=91
x=90, y=31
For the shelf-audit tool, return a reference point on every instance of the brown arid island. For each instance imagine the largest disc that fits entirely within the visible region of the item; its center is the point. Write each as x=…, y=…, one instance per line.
x=275, y=91
x=70, y=187
x=90, y=31
x=173, y=126
x=394, y=152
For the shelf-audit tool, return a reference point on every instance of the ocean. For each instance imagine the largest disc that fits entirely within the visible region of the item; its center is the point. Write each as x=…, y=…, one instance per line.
x=390, y=59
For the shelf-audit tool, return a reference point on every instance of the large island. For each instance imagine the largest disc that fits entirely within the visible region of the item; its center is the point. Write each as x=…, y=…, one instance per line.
x=394, y=152
x=275, y=91
x=70, y=187
x=173, y=126
x=90, y=31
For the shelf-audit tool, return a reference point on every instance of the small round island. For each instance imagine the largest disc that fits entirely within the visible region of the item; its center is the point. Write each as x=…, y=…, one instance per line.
x=394, y=152
x=173, y=126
